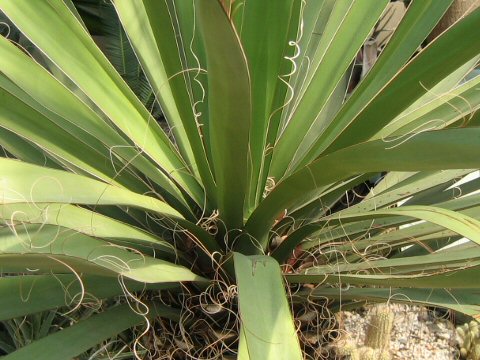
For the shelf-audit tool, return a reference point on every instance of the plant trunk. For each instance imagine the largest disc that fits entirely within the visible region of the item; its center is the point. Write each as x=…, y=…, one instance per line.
x=459, y=9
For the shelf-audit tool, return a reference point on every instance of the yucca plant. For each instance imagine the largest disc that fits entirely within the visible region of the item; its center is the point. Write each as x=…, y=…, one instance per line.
x=230, y=233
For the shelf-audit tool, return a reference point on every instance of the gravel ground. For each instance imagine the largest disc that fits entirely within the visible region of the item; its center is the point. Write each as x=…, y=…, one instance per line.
x=417, y=333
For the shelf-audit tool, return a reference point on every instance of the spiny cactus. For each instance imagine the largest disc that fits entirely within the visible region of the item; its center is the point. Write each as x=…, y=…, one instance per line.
x=348, y=350
x=368, y=353
x=377, y=341
x=380, y=327
x=468, y=337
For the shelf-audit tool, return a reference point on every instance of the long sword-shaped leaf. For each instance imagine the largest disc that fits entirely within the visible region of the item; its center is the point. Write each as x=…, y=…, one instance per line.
x=413, y=29
x=56, y=31
x=24, y=150
x=282, y=92
x=314, y=19
x=460, y=278
x=390, y=192
x=456, y=105
x=261, y=291
x=348, y=26
x=54, y=101
x=264, y=33
x=460, y=223
x=28, y=294
x=158, y=54
x=416, y=184
x=468, y=256
x=49, y=248
x=229, y=109
x=463, y=300
x=108, y=227
x=87, y=333
x=426, y=70
x=193, y=57
x=151, y=30
x=81, y=154
x=446, y=149
x=22, y=182
x=446, y=85
x=374, y=231
x=80, y=219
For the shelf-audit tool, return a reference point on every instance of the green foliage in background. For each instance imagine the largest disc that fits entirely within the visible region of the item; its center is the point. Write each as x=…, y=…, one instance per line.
x=228, y=229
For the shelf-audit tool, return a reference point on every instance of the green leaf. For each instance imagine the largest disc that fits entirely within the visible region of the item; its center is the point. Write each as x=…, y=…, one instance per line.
x=22, y=182
x=467, y=255
x=413, y=29
x=418, y=185
x=456, y=106
x=153, y=35
x=460, y=223
x=38, y=89
x=368, y=232
x=264, y=36
x=463, y=300
x=452, y=279
x=82, y=220
x=55, y=30
x=282, y=92
x=79, y=153
x=437, y=150
x=229, y=109
x=50, y=248
x=28, y=294
x=242, y=346
x=261, y=291
x=348, y=26
x=87, y=333
x=426, y=70
x=24, y=150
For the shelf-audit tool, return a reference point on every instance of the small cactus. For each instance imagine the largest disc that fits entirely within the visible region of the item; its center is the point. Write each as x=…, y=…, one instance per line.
x=349, y=351
x=468, y=337
x=377, y=342
x=475, y=352
x=380, y=327
x=368, y=353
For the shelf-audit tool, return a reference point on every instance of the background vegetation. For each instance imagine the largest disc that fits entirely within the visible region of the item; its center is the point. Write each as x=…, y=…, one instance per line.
x=209, y=179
